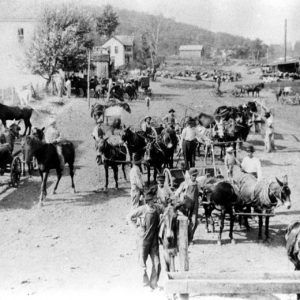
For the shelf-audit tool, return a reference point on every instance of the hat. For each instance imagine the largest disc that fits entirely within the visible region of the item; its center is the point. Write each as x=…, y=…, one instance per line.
x=193, y=171
x=191, y=121
x=267, y=114
x=171, y=110
x=147, y=117
x=161, y=177
x=229, y=149
x=250, y=148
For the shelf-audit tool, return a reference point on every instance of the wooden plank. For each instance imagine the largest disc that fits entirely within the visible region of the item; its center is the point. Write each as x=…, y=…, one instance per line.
x=293, y=275
x=254, y=214
x=183, y=243
x=233, y=286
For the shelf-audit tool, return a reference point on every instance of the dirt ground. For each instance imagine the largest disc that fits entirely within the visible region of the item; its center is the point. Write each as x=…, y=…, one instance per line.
x=80, y=245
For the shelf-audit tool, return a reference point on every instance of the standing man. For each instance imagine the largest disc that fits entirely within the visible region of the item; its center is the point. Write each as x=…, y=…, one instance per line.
x=188, y=143
x=251, y=164
x=68, y=87
x=137, y=183
x=269, y=137
x=164, y=193
x=146, y=218
x=230, y=161
x=170, y=119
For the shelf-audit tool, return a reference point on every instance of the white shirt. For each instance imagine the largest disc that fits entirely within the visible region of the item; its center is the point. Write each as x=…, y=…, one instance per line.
x=52, y=135
x=252, y=165
x=136, y=179
x=188, y=134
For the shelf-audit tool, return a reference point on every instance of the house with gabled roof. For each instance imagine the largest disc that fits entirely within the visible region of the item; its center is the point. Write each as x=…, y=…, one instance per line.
x=191, y=51
x=120, y=48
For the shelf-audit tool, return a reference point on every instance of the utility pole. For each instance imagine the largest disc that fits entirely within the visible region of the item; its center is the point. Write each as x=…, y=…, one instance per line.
x=285, y=33
x=88, y=77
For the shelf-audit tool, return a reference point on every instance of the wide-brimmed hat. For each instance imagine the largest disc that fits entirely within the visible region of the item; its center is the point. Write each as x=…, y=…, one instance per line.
x=147, y=117
x=229, y=149
x=161, y=177
x=250, y=148
x=193, y=171
x=171, y=110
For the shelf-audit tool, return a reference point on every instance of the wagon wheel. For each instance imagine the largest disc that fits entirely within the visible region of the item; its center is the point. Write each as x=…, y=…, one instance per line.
x=15, y=171
x=168, y=178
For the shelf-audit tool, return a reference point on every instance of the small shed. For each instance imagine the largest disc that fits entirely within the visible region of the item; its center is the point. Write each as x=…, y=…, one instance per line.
x=191, y=51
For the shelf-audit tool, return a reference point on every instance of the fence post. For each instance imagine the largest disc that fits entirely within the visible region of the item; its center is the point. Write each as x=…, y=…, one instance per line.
x=183, y=248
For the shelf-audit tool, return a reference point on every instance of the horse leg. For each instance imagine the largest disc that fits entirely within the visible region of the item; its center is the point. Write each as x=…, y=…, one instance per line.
x=154, y=175
x=43, y=189
x=172, y=264
x=124, y=172
x=222, y=217
x=106, y=175
x=148, y=174
x=71, y=167
x=115, y=169
x=59, y=174
x=267, y=229
x=206, y=212
x=231, y=226
x=260, y=224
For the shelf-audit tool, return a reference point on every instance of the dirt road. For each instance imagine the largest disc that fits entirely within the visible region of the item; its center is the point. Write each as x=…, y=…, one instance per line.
x=80, y=244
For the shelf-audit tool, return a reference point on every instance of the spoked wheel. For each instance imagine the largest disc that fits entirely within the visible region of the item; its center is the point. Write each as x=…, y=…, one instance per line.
x=168, y=178
x=15, y=171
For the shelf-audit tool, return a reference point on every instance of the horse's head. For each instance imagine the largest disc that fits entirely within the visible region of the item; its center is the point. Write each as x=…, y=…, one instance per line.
x=30, y=145
x=283, y=192
x=169, y=138
x=38, y=133
x=14, y=129
x=169, y=223
x=149, y=150
x=126, y=134
x=101, y=145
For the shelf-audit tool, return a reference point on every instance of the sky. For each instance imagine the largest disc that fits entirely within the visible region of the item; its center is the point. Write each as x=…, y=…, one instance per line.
x=249, y=18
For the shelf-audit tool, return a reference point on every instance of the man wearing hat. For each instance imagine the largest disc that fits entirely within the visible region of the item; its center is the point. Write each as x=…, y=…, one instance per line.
x=53, y=136
x=164, y=193
x=188, y=193
x=269, y=137
x=251, y=164
x=170, y=119
x=136, y=182
x=146, y=125
x=230, y=161
x=188, y=143
x=147, y=218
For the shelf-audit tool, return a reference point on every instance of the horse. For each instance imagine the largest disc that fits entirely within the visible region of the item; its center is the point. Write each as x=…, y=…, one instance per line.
x=168, y=232
x=113, y=156
x=219, y=195
x=262, y=195
x=169, y=138
x=205, y=120
x=292, y=238
x=156, y=157
x=136, y=142
x=130, y=90
x=16, y=113
x=47, y=158
x=10, y=135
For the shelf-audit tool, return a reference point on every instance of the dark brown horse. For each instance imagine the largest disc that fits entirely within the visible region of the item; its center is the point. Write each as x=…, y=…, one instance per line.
x=47, y=157
x=16, y=113
x=112, y=156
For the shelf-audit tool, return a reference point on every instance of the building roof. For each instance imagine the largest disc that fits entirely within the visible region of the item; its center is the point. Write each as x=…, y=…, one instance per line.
x=191, y=48
x=126, y=40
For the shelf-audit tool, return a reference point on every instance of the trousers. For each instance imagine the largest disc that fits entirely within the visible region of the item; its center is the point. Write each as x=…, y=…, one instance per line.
x=188, y=150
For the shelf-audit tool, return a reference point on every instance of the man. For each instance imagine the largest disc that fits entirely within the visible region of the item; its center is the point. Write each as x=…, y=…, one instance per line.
x=188, y=143
x=68, y=87
x=164, y=193
x=147, y=218
x=251, y=164
x=53, y=136
x=137, y=183
x=146, y=125
x=188, y=193
x=269, y=137
x=170, y=119
x=230, y=161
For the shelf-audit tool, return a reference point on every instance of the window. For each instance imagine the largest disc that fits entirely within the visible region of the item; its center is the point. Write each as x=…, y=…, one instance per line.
x=116, y=49
x=21, y=35
x=128, y=48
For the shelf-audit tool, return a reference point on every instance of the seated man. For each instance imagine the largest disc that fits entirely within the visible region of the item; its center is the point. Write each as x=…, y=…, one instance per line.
x=146, y=126
x=170, y=119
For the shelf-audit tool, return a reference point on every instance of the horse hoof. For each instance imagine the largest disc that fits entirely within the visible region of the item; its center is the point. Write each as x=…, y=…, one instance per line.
x=266, y=240
x=233, y=241
x=54, y=192
x=74, y=191
x=219, y=243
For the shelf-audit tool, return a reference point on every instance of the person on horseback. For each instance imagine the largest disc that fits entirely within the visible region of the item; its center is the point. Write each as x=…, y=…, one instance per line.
x=251, y=164
x=53, y=136
x=146, y=219
x=146, y=126
x=170, y=119
x=230, y=161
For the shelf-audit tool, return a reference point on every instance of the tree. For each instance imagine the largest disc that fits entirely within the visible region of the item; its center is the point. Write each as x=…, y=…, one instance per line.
x=60, y=42
x=107, y=22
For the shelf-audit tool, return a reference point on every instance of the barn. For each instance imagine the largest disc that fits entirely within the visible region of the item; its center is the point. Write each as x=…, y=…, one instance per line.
x=191, y=51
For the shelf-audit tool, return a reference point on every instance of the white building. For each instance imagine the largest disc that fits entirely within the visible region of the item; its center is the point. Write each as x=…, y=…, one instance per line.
x=120, y=48
x=191, y=51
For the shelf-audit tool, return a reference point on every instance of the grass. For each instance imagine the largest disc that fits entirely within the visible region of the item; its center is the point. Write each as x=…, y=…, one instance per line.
x=188, y=85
